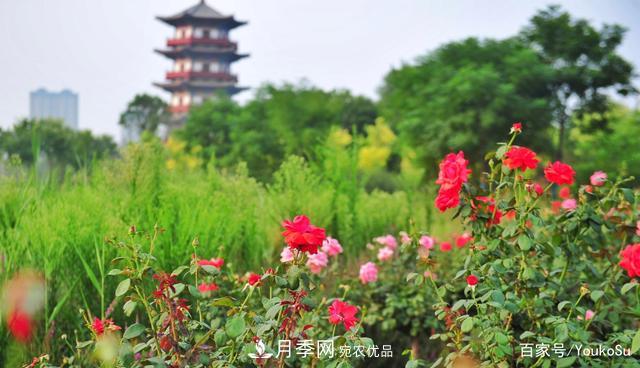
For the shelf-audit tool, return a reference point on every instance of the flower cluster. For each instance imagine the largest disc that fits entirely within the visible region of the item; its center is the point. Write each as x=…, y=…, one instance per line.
x=453, y=173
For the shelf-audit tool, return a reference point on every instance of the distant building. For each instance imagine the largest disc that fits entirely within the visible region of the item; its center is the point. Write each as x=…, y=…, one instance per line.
x=56, y=105
x=202, y=55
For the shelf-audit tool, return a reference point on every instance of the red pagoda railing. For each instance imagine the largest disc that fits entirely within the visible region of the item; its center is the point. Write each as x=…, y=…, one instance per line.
x=200, y=41
x=193, y=74
x=179, y=109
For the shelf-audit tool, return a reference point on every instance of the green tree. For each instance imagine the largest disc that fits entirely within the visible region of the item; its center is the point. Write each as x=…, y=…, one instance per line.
x=60, y=145
x=613, y=150
x=585, y=66
x=458, y=95
x=144, y=113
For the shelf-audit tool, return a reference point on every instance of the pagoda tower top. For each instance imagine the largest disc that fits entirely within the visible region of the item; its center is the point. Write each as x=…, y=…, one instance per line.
x=202, y=13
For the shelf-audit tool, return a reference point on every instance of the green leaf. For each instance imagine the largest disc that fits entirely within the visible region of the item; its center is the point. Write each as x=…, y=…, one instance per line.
x=467, y=325
x=526, y=334
x=235, y=326
x=437, y=362
x=129, y=307
x=596, y=294
x=563, y=304
x=114, y=272
x=123, y=287
x=566, y=362
x=628, y=286
x=210, y=269
x=457, y=305
x=223, y=302
x=412, y=364
x=635, y=344
x=133, y=331
x=524, y=242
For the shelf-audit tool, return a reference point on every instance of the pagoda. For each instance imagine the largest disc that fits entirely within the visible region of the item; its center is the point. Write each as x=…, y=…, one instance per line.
x=202, y=54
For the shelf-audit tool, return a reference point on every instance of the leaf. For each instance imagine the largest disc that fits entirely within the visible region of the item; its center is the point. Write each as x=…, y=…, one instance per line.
x=412, y=364
x=628, y=286
x=635, y=344
x=114, y=272
x=235, y=326
x=210, y=269
x=83, y=344
x=223, y=302
x=437, y=362
x=133, y=331
x=457, y=305
x=526, y=334
x=566, y=362
x=563, y=304
x=129, y=307
x=524, y=242
x=123, y=287
x=467, y=325
x=596, y=294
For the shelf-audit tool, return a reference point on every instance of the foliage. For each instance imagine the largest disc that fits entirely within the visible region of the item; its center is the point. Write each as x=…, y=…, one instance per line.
x=60, y=145
x=594, y=151
x=278, y=122
x=144, y=113
x=465, y=91
x=586, y=67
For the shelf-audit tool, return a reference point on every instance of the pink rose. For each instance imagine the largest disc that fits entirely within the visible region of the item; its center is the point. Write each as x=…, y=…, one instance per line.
x=286, y=255
x=368, y=272
x=569, y=204
x=404, y=237
x=387, y=240
x=427, y=242
x=331, y=246
x=317, y=262
x=385, y=253
x=598, y=178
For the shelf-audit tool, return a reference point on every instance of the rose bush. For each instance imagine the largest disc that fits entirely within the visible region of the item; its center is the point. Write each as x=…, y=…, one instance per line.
x=539, y=279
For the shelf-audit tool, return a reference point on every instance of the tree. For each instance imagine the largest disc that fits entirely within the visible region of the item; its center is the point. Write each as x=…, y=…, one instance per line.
x=458, y=95
x=585, y=66
x=612, y=150
x=144, y=113
x=60, y=145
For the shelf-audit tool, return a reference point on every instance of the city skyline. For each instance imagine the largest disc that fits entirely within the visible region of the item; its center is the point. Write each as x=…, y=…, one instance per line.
x=104, y=50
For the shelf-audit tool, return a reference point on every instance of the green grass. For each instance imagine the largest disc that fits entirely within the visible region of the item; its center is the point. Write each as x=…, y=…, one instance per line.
x=58, y=226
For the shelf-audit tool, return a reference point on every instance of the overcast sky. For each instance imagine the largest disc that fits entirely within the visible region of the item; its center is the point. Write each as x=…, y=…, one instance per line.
x=103, y=49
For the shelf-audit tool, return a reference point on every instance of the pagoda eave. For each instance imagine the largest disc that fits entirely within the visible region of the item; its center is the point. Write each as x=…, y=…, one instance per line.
x=228, y=54
x=226, y=22
x=230, y=87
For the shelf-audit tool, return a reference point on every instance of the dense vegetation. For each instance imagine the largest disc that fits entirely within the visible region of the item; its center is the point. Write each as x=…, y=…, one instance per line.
x=222, y=184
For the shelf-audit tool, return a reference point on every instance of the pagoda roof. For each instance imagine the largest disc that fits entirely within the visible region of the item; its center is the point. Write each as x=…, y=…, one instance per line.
x=202, y=13
x=227, y=53
x=200, y=85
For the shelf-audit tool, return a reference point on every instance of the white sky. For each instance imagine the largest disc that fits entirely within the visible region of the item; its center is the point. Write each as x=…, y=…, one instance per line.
x=103, y=49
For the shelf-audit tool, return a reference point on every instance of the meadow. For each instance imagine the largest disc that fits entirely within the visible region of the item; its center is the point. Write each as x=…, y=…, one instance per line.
x=57, y=222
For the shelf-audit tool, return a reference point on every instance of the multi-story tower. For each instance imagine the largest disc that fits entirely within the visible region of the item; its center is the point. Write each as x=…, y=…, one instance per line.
x=54, y=105
x=202, y=55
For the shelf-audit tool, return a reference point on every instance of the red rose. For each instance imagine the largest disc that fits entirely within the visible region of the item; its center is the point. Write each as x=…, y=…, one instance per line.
x=215, y=262
x=516, y=128
x=472, y=280
x=630, y=260
x=564, y=193
x=520, y=158
x=453, y=171
x=559, y=173
x=340, y=311
x=445, y=246
x=447, y=199
x=253, y=278
x=20, y=326
x=300, y=234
